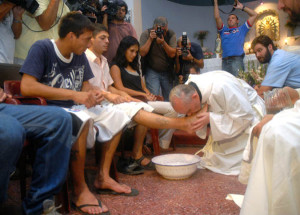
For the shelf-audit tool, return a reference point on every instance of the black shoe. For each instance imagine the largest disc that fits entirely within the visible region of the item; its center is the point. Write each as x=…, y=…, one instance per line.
x=149, y=166
x=129, y=166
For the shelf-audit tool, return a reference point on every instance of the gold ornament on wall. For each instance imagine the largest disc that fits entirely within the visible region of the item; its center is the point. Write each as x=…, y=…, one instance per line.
x=268, y=24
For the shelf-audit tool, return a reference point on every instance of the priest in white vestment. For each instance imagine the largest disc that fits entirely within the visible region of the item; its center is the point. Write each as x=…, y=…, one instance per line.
x=233, y=107
x=274, y=182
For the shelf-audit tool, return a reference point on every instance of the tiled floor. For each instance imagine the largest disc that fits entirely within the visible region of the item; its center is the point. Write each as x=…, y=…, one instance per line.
x=202, y=194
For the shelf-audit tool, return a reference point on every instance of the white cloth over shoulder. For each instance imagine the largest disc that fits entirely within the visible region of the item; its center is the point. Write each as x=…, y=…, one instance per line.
x=274, y=182
x=233, y=106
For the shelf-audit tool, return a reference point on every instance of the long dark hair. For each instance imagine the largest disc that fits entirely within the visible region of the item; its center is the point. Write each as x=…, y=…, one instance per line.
x=120, y=58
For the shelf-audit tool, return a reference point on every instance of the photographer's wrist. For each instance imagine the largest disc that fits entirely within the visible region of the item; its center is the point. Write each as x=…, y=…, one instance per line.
x=17, y=20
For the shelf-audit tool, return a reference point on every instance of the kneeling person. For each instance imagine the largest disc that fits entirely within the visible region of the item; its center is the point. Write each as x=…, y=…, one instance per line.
x=233, y=106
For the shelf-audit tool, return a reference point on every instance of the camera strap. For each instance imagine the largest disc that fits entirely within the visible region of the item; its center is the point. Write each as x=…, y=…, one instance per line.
x=233, y=9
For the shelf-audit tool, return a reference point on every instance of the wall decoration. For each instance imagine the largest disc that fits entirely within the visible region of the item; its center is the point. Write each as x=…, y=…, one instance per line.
x=268, y=24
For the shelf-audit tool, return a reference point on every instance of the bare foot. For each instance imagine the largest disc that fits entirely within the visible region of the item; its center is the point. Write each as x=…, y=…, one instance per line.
x=86, y=197
x=109, y=183
x=145, y=161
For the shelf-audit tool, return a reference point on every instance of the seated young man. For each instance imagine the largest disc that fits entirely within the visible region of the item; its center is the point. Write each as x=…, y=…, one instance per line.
x=50, y=129
x=116, y=99
x=57, y=71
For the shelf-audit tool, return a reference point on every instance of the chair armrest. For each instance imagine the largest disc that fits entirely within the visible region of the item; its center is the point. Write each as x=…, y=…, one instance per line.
x=12, y=101
x=31, y=100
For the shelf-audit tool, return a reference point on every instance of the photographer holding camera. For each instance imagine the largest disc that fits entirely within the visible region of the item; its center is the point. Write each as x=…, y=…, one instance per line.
x=188, y=56
x=10, y=29
x=118, y=28
x=158, y=49
x=42, y=24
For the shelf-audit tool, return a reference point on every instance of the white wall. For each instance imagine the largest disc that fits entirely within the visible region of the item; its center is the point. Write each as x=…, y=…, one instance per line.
x=194, y=18
x=135, y=8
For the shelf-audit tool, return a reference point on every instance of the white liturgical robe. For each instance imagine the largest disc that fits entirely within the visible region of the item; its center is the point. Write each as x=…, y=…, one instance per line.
x=233, y=107
x=274, y=182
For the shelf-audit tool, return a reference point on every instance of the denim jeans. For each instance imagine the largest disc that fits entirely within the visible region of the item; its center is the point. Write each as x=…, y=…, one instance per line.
x=159, y=80
x=233, y=65
x=51, y=129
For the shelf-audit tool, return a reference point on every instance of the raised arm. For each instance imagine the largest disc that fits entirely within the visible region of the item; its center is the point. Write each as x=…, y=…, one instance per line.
x=48, y=17
x=17, y=23
x=145, y=46
x=219, y=21
x=200, y=63
x=105, y=16
x=252, y=14
x=171, y=52
x=5, y=7
x=177, y=63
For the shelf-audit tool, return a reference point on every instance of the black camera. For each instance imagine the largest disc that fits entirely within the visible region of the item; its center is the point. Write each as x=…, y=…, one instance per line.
x=88, y=7
x=112, y=8
x=159, y=32
x=184, y=45
x=30, y=5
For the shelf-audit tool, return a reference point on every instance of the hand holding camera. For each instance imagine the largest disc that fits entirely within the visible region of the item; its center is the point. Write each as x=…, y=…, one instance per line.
x=152, y=34
x=159, y=32
x=238, y=5
x=17, y=13
x=30, y=5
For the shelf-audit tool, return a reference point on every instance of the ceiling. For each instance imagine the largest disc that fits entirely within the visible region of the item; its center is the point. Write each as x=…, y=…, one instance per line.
x=206, y=2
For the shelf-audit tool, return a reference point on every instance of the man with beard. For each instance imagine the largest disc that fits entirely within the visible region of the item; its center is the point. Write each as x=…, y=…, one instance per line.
x=118, y=28
x=283, y=69
x=292, y=7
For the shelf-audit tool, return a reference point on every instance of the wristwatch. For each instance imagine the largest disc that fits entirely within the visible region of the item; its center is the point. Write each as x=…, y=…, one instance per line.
x=243, y=8
x=192, y=61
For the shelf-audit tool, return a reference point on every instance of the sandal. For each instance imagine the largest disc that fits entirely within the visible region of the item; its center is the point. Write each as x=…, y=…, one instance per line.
x=149, y=166
x=129, y=167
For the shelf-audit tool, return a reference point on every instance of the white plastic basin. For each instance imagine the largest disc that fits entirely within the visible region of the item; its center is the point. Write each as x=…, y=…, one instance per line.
x=176, y=166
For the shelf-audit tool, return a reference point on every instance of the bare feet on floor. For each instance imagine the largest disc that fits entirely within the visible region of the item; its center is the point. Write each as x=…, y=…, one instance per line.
x=109, y=183
x=87, y=198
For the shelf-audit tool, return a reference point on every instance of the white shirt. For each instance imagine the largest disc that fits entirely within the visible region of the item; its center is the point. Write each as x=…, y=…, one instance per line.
x=7, y=41
x=100, y=70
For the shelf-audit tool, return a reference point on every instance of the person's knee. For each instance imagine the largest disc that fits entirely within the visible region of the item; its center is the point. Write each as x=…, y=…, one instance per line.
x=12, y=133
x=59, y=115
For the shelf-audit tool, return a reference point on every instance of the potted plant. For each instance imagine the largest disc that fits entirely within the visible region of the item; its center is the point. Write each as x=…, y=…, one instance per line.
x=201, y=36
